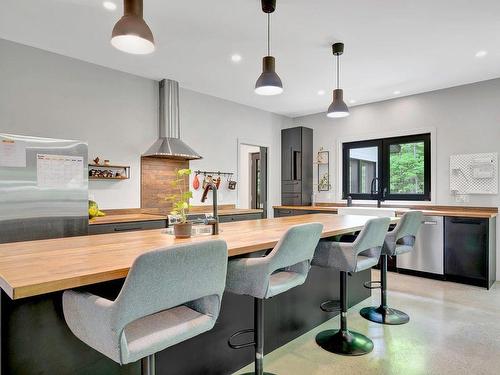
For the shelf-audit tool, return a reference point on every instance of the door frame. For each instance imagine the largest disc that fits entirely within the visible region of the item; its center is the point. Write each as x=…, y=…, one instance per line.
x=256, y=143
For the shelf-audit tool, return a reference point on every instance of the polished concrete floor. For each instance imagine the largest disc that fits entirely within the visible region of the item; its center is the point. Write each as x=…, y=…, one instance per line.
x=453, y=329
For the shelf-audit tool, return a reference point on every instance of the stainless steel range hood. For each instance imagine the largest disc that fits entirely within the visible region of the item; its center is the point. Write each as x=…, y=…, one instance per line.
x=170, y=146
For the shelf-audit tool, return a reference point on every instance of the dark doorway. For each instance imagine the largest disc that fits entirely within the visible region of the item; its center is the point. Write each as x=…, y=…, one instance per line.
x=258, y=172
x=255, y=180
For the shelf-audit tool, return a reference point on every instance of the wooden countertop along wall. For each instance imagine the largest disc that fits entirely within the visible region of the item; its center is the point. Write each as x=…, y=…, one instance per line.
x=39, y=267
x=431, y=210
x=125, y=218
x=138, y=214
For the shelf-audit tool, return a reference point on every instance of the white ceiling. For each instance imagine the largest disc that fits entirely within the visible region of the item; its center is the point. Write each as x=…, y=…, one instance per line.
x=406, y=45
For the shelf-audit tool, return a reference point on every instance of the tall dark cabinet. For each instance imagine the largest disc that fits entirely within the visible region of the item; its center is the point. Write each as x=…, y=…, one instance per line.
x=296, y=166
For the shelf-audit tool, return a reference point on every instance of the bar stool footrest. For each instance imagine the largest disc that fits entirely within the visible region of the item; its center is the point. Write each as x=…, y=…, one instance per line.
x=239, y=333
x=330, y=306
x=373, y=284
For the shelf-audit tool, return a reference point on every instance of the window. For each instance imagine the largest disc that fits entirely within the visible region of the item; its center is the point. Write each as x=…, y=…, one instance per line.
x=391, y=168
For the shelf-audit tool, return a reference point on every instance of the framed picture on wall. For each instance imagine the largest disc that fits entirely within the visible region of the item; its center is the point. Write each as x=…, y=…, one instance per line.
x=323, y=161
x=323, y=157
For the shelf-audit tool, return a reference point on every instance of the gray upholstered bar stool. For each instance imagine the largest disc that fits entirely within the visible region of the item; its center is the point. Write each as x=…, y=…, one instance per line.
x=350, y=257
x=398, y=241
x=285, y=267
x=169, y=296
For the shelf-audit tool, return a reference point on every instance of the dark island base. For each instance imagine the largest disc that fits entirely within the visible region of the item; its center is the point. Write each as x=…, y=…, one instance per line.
x=36, y=340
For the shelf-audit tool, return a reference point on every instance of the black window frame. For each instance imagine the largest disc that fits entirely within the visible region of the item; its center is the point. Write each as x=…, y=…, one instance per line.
x=383, y=172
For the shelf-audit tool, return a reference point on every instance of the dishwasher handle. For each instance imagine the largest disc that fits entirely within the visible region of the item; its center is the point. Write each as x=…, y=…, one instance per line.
x=429, y=222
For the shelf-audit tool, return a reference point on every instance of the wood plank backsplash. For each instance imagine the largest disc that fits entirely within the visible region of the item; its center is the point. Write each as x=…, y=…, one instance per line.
x=156, y=177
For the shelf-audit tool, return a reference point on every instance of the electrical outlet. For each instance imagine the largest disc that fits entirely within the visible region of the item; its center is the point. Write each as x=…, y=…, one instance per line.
x=461, y=198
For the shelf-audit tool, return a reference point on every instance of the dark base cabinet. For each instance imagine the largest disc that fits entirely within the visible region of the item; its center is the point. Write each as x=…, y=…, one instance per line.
x=159, y=224
x=127, y=227
x=36, y=339
x=239, y=217
x=281, y=212
x=469, y=250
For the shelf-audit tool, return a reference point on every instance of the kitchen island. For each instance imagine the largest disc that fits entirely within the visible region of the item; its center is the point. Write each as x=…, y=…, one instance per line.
x=33, y=275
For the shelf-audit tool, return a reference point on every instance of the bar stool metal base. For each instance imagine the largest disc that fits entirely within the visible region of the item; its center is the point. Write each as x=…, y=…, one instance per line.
x=258, y=342
x=384, y=315
x=344, y=342
x=148, y=365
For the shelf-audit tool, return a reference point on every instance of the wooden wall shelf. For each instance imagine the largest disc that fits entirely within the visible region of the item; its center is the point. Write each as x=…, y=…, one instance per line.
x=109, y=172
x=108, y=178
x=109, y=166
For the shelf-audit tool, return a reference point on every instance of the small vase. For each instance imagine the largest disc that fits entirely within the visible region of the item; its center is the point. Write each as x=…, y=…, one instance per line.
x=183, y=230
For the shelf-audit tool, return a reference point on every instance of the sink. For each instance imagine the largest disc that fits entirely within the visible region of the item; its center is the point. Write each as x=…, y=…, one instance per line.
x=367, y=211
x=198, y=230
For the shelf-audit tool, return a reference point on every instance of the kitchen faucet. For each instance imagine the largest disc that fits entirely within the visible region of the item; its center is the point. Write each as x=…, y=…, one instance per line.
x=373, y=192
x=214, y=222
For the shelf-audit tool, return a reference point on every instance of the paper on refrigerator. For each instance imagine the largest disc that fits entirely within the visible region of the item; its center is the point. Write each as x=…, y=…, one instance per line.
x=59, y=171
x=12, y=153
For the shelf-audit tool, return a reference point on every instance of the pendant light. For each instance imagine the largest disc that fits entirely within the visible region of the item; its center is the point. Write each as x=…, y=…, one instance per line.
x=131, y=34
x=269, y=83
x=338, y=108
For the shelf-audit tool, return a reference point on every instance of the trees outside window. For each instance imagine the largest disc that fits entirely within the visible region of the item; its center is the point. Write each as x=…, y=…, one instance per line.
x=402, y=165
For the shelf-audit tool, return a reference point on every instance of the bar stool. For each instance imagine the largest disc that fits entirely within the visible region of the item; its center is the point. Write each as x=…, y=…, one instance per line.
x=169, y=296
x=349, y=257
x=398, y=241
x=285, y=267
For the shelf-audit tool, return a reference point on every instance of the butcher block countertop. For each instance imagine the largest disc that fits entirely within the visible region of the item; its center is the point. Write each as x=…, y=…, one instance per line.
x=125, y=218
x=238, y=211
x=455, y=211
x=130, y=216
x=39, y=267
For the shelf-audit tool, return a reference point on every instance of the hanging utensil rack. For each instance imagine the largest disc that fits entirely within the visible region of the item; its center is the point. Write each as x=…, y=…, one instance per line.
x=216, y=173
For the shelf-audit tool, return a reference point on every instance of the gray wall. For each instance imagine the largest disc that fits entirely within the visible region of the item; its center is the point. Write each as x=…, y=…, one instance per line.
x=49, y=95
x=466, y=119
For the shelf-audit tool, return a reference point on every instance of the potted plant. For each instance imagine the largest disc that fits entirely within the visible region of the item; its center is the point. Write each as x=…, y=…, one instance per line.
x=180, y=203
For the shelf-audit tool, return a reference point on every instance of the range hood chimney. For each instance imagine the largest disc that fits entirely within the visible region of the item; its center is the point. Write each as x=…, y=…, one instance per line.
x=169, y=145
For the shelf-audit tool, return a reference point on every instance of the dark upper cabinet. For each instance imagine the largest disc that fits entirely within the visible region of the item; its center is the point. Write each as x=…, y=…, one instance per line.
x=296, y=166
x=291, y=147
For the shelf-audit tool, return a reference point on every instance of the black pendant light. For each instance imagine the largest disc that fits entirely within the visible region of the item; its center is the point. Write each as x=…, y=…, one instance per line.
x=269, y=83
x=131, y=33
x=338, y=108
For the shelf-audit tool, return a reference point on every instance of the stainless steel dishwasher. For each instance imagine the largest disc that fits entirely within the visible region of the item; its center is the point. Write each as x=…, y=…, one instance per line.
x=428, y=253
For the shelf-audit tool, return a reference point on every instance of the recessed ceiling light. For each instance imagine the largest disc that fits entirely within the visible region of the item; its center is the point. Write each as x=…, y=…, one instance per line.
x=481, y=53
x=321, y=92
x=397, y=92
x=109, y=5
x=236, y=58
x=352, y=101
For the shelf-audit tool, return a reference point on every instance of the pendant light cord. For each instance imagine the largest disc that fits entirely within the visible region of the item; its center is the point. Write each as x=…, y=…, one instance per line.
x=268, y=34
x=338, y=71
